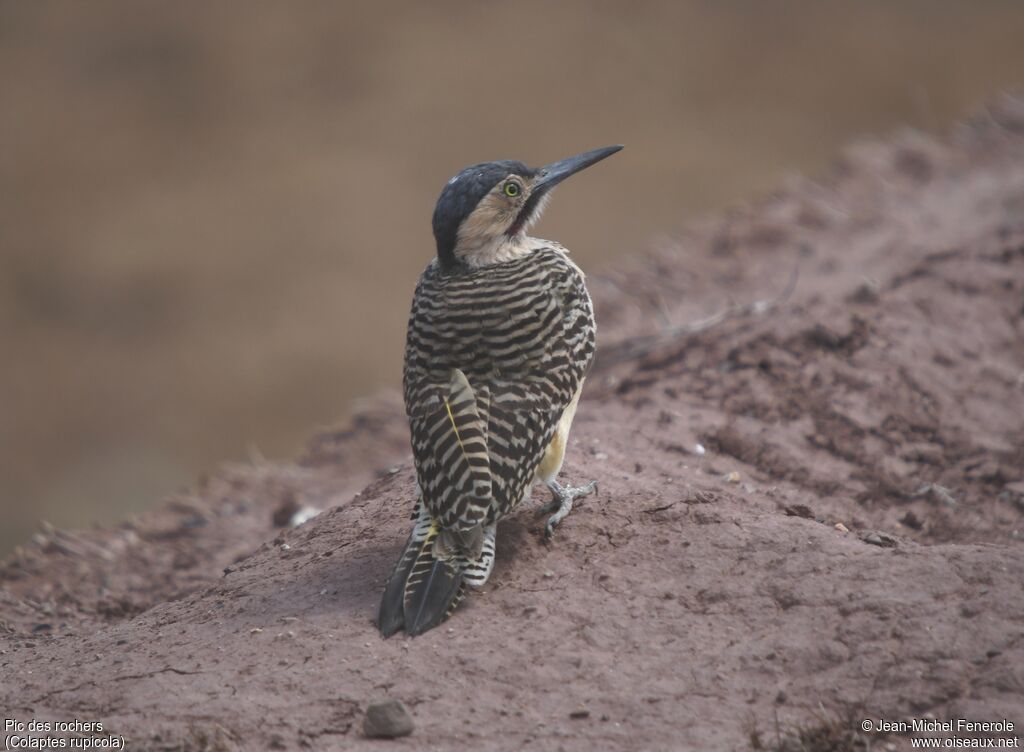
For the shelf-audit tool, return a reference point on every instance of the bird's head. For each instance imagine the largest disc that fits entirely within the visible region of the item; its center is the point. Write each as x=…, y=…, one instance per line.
x=485, y=209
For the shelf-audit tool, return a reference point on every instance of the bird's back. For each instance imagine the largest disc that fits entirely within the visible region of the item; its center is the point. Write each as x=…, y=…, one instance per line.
x=523, y=334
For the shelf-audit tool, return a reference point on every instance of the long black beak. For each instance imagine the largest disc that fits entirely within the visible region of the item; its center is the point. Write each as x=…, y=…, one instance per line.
x=552, y=174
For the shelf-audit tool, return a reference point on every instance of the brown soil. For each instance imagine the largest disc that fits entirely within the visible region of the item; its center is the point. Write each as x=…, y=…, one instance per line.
x=701, y=598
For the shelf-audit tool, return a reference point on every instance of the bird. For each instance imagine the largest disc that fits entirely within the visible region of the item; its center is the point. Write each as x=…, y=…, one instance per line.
x=500, y=338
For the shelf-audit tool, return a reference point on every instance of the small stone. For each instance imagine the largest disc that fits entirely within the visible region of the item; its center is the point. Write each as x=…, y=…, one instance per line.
x=733, y=477
x=842, y=528
x=911, y=520
x=579, y=714
x=304, y=514
x=937, y=493
x=780, y=697
x=699, y=450
x=285, y=510
x=879, y=539
x=548, y=574
x=387, y=720
x=866, y=292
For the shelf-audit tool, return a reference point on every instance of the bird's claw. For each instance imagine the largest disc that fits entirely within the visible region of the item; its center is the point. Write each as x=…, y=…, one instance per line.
x=562, y=502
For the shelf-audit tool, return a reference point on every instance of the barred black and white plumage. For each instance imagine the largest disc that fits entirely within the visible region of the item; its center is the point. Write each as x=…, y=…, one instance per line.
x=523, y=335
x=500, y=338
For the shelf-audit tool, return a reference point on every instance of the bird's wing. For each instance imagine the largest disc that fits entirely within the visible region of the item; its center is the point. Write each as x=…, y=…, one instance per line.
x=523, y=336
x=449, y=446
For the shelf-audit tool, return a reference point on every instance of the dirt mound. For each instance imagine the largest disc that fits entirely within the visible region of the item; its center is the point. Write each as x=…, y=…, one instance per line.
x=807, y=420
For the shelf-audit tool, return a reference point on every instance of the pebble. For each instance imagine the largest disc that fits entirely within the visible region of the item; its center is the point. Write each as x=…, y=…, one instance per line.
x=880, y=539
x=387, y=720
x=733, y=477
x=304, y=514
x=579, y=714
x=842, y=528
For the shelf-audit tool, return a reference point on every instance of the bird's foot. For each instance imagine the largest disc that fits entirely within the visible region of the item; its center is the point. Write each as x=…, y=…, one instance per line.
x=562, y=498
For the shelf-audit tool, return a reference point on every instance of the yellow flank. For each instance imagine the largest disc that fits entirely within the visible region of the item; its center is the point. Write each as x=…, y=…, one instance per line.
x=455, y=428
x=551, y=463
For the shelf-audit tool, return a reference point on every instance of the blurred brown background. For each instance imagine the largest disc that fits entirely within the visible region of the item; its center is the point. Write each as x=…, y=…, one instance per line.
x=212, y=214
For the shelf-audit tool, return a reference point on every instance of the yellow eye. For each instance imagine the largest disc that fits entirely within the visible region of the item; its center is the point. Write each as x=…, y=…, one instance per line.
x=511, y=189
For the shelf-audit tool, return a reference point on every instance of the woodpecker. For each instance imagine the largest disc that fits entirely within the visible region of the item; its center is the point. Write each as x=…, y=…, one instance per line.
x=500, y=339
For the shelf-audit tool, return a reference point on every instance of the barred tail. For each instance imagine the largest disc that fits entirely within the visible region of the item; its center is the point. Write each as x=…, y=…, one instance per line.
x=423, y=590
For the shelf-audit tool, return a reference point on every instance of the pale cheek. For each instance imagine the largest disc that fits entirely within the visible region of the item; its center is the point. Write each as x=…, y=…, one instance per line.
x=486, y=222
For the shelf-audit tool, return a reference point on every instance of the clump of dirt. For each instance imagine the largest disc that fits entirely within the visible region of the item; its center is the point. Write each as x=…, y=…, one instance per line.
x=806, y=420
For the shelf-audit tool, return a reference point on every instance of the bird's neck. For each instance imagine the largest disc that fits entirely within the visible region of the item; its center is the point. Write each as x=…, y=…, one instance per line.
x=497, y=249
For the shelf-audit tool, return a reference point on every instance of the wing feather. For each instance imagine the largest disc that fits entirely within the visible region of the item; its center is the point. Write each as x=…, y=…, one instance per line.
x=493, y=358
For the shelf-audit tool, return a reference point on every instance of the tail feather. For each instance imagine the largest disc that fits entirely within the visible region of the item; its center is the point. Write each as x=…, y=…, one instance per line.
x=423, y=590
x=432, y=592
x=391, y=617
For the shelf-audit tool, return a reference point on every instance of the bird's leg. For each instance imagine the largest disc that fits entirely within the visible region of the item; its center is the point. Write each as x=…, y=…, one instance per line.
x=562, y=498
